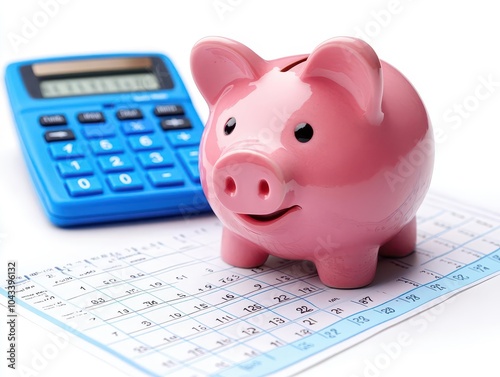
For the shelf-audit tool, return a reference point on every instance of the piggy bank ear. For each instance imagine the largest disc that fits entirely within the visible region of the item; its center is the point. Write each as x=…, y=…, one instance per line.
x=218, y=62
x=352, y=64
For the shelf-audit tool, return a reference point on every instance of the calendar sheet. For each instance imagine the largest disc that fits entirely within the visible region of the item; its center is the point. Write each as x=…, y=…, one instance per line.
x=172, y=307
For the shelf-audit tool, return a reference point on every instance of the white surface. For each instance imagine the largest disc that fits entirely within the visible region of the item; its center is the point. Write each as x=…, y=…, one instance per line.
x=448, y=50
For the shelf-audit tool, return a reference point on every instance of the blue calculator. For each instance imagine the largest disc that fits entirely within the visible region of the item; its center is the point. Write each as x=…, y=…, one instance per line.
x=108, y=137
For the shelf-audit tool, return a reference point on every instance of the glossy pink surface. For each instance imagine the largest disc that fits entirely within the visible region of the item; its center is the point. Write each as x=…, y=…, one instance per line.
x=339, y=191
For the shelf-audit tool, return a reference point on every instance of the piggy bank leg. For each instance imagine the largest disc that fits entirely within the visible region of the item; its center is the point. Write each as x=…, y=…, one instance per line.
x=403, y=243
x=352, y=267
x=239, y=252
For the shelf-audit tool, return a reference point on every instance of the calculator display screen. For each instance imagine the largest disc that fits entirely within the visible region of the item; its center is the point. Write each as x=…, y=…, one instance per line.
x=94, y=76
x=132, y=82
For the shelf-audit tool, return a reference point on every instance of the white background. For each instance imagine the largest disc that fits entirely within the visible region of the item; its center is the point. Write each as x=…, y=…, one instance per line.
x=450, y=51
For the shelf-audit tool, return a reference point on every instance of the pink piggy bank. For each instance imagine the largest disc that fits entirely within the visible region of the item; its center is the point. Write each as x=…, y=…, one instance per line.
x=323, y=157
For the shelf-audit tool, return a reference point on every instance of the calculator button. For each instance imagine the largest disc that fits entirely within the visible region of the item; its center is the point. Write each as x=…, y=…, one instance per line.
x=84, y=186
x=98, y=132
x=91, y=117
x=125, y=182
x=60, y=135
x=62, y=150
x=106, y=146
x=194, y=172
x=183, y=138
x=125, y=114
x=74, y=168
x=115, y=163
x=53, y=120
x=168, y=110
x=137, y=127
x=145, y=142
x=163, y=178
x=156, y=159
x=189, y=157
x=175, y=124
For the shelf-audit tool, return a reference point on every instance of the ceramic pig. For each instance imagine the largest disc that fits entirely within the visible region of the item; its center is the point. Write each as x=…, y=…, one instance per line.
x=323, y=157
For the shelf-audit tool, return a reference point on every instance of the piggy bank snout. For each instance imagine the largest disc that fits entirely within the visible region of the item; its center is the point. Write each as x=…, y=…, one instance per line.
x=249, y=182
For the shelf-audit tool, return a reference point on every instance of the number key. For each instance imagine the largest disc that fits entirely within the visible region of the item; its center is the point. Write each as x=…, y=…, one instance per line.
x=125, y=182
x=145, y=142
x=74, y=168
x=156, y=159
x=106, y=146
x=60, y=150
x=115, y=163
x=84, y=186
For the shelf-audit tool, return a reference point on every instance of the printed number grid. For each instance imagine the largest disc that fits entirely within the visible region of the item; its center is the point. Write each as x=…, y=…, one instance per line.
x=174, y=308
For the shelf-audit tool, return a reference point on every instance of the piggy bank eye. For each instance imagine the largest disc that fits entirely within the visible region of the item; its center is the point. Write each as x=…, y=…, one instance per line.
x=230, y=125
x=303, y=132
